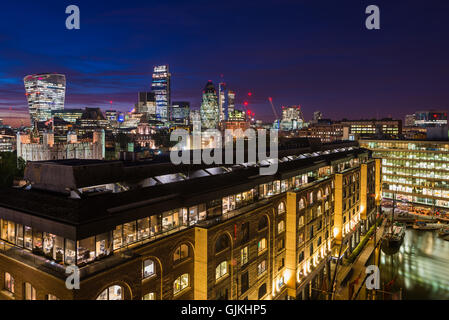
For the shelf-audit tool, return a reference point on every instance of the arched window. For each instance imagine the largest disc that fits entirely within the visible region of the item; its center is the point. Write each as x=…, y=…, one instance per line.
x=111, y=293
x=181, y=253
x=263, y=222
x=262, y=291
x=281, y=226
x=262, y=245
x=319, y=195
x=319, y=210
x=30, y=292
x=301, y=204
x=221, y=270
x=9, y=282
x=326, y=206
x=149, y=268
x=281, y=208
x=181, y=283
x=222, y=243
x=149, y=296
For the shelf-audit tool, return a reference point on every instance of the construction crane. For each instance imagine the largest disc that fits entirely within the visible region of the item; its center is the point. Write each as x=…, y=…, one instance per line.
x=274, y=109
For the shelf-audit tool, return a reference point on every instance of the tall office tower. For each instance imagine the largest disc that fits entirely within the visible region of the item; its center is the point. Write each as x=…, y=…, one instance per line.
x=231, y=102
x=180, y=112
x=222, y=103
x=147, y=104
x=45, y=93
x=210, y=115
x=161, y=88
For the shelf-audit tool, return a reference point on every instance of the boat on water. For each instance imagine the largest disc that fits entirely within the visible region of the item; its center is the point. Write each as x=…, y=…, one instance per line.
x=444, y=231
x=392, y=239
x=424, y=225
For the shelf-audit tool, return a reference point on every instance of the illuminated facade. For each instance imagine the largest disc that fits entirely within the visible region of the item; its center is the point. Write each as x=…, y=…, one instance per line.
x=210, y=113
x=147, y=104
x=161, y=86
x=45, y=93
x=432, y=118
x=29, y=150
x=387, y=127
x=231, y=235
x=231, y=101
x=69, y=115
x=180, y=112
x=416, y=170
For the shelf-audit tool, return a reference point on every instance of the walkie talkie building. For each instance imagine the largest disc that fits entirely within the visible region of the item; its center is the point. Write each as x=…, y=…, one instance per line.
x=45, y=93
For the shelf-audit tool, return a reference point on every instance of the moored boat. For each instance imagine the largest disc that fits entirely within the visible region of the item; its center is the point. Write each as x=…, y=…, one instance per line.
x=424, y=225
x=444, y=231
x=392, y=240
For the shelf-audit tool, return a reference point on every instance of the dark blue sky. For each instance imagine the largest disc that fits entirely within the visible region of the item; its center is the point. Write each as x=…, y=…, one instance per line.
x=315, y=53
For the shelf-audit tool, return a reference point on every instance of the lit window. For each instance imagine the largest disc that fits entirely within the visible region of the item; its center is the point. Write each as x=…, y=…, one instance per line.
x=221, y=270
x=111, y=293
x=281, y=208
x=148, y=268
x=181, y=283
x=181, y=253
x=52, y=297
x=9, y=282
x=281, y=226
x=30, y=292
x=244, y=256
x=262, y=267
x=262, y=245
x=149, y=296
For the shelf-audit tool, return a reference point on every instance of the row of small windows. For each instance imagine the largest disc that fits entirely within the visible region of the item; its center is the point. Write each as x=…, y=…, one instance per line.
x=29, y=290
x=116, y=292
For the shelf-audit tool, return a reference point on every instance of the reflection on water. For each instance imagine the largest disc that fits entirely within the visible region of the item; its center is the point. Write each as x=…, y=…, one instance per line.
x=421, y=267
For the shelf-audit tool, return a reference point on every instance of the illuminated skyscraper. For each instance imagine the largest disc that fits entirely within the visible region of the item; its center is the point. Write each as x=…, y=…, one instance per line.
x=161, y=87
x=231, y=102
x=147, y=104
x=210, y=113
x=45, y=93
x=222, y=103
x=180, y=112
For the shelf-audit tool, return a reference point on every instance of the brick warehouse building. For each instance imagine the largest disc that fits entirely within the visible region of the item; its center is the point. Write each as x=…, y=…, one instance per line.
x=159, y=231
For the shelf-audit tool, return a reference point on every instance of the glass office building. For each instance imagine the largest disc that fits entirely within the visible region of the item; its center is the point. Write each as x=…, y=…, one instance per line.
x=45, y=94
x=416, y=170
x=161, y=88
x=210, y=115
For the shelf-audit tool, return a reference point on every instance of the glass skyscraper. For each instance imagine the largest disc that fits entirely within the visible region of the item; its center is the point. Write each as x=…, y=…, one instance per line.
x=45, y=93
x=210, y=115
x=161, y=87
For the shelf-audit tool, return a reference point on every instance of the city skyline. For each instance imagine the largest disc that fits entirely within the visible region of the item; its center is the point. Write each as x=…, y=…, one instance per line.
x=337, y=66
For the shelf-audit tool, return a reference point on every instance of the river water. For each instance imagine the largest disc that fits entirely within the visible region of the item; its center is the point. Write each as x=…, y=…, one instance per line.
x=420, y=268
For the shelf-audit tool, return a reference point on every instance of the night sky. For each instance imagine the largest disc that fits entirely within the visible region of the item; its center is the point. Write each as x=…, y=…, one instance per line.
x=314, y=53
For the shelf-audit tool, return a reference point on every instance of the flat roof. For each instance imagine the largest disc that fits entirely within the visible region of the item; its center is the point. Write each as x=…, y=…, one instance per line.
x=92, y=214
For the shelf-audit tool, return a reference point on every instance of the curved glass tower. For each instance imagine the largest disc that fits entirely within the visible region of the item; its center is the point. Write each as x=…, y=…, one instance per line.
x=210, y=115
x=45, y=93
